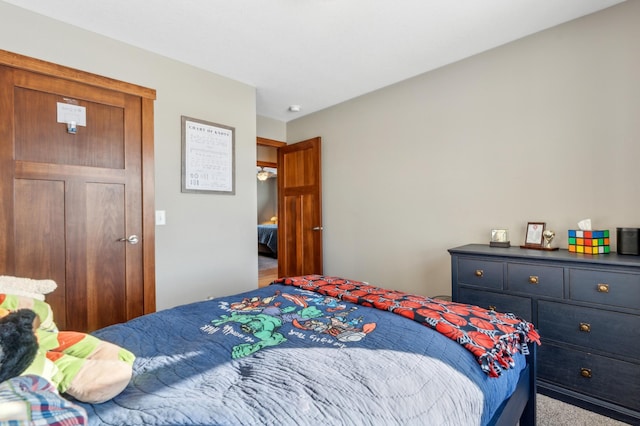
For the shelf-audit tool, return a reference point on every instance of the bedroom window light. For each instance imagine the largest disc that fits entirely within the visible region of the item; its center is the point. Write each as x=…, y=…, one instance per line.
x=263, y=174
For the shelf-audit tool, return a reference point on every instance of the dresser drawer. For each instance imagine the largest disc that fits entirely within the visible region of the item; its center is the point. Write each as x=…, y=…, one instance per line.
x=598, y=329
x=606, y=378
x=580, y=327
x=481, y=273
x=521, y=306
x=535, y=279
x=606, y=288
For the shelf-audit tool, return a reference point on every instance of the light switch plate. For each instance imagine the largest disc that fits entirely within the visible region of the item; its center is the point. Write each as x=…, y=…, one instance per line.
x=161, y=218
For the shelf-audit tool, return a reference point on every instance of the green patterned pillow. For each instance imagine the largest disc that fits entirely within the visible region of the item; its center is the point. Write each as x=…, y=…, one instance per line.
x=81, y=365
x=13, y=302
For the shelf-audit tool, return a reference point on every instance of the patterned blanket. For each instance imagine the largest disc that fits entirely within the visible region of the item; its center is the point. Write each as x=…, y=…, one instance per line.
x=283, y=355
x=32, y=400
x=492, y=337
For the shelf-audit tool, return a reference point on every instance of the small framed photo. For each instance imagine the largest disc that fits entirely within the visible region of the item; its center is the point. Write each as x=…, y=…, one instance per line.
x=499, y=238
x=534, y=234
x=499, y=235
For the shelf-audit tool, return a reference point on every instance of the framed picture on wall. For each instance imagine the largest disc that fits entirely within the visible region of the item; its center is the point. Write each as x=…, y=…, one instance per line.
x=208, y=157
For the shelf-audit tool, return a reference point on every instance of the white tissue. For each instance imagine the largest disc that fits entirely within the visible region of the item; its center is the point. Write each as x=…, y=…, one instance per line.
x=585, y=225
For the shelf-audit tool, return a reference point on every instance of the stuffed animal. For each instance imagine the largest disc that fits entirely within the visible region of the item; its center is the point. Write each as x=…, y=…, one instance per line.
x=78, y=364
x=89, y=369
x=18, y=344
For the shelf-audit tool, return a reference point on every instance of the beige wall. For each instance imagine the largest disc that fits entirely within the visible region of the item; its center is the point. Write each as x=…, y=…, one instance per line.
x=208, y=246
x=267, y=200
x=271, y=129
x=543, y=129
x=268, y=191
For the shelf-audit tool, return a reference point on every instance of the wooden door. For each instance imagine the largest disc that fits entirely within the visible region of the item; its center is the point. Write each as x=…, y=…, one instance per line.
x=71, y=201
x=300, y=209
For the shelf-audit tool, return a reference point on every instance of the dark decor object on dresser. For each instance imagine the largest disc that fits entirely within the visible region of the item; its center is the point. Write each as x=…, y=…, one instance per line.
x=628, y=240
x=586, y=309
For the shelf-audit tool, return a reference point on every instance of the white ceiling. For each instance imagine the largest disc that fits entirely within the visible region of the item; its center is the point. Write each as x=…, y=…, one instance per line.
x=315, y=53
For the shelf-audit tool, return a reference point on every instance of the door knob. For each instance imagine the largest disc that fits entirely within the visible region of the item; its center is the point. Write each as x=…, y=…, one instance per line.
x=133, y=239
x=317, y=228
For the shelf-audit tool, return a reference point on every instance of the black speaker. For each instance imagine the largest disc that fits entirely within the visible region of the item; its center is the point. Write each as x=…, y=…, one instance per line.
x=628, y=240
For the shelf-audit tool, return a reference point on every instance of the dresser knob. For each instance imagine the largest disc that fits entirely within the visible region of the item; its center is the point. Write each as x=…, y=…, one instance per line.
x=585, y=372
x=479, y=272
x=534, y=279
x=603, y=288
x=585, y=327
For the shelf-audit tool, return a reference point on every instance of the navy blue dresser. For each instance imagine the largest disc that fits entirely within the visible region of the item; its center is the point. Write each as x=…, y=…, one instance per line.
x=586, y=308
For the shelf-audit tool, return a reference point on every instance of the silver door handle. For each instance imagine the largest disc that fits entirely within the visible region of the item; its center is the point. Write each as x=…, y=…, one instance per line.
x=133, y=239
x=317, y=228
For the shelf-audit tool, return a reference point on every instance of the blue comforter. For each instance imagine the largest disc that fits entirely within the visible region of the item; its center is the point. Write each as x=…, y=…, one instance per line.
x=281, y=355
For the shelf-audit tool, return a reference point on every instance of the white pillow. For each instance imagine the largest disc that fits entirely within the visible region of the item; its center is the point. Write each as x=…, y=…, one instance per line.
x=19, y=286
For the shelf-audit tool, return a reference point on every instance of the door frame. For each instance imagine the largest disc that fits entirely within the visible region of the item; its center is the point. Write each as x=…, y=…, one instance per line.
x=273, y=144
x=147, y=97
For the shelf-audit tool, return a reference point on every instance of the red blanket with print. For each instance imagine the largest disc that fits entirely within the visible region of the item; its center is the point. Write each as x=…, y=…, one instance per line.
x=492, y=337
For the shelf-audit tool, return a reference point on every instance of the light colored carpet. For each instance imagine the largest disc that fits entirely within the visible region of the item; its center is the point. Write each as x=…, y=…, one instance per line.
x=552, y=412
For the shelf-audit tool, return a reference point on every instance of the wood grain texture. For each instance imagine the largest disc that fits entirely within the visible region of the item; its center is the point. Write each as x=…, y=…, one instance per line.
x=67, y=199
x=300, y=209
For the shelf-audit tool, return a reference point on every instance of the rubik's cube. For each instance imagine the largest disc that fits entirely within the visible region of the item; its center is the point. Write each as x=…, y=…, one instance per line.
x=589, y=242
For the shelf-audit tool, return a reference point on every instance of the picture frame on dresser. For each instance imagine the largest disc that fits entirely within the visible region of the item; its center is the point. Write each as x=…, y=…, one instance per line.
x=533, y=237
x=500, y=238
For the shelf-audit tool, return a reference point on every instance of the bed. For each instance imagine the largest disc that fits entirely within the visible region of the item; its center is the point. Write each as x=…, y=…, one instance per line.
x=268, y=239
x=323, y=350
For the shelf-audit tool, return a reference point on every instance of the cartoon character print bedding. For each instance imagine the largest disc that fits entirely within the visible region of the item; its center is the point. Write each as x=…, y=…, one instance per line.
x=491, y=336
x=314, y=350
x=320, y=318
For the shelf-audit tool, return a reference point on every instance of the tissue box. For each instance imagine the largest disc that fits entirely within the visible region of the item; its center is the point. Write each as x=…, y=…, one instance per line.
x=589, y=242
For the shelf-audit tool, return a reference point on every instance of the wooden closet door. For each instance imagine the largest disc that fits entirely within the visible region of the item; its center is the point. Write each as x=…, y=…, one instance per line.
x=69, y=200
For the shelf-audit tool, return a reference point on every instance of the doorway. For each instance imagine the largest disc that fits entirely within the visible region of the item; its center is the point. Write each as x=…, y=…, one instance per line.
x=267, y=212
x=298, y=216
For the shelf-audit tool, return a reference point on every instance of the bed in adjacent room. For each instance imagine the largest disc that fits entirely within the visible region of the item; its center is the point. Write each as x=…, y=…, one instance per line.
x=268, y=239
x=320, y=350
